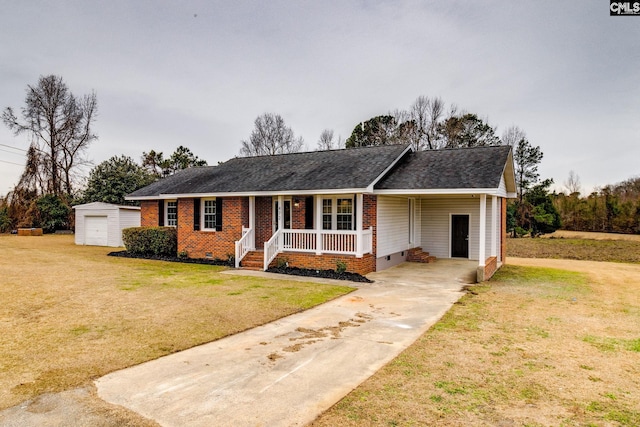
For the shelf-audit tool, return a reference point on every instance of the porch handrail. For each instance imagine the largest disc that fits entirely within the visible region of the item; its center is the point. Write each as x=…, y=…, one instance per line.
x=331, y=241
x=244, y=245
x=272, y=248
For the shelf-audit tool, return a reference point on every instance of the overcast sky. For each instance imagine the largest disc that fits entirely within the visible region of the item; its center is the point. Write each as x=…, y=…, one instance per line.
x=198, y=73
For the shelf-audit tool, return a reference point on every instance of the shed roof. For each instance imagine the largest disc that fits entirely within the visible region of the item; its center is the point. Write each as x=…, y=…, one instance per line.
x=104, y=206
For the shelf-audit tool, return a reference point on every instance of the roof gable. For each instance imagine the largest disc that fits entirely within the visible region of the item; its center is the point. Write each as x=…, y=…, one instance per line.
x=449, y=169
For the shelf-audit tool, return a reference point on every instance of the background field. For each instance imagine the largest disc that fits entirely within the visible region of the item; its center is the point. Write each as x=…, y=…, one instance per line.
x=578, y=245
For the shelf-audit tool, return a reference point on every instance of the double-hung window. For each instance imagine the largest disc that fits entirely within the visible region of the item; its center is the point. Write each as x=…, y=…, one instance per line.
x=171, y=213
x=209, y=214
x=344, y=215
x=327, y=214
x=337, y=213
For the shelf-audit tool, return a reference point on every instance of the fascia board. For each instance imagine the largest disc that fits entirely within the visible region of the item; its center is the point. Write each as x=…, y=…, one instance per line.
x=440, y=191
x=253, y=193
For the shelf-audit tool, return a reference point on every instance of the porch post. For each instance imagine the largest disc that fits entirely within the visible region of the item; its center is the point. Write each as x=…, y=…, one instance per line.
x=494, y=225
x=483, y=230
x=317, y=202
x=252, y=220
x=359, y=223
x=280, y=219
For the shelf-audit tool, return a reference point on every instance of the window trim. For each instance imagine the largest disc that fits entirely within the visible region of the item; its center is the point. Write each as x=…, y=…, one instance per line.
x=334, y=212
x=166, y=213
x=203, y=217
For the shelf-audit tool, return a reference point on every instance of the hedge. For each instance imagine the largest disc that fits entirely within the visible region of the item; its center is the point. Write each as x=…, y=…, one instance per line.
x=151, y=240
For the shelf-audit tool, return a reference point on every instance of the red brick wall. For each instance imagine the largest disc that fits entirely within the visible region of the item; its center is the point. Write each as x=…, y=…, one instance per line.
x=297, y=213
x=220, y=244
x=490, y=267
x=370, y=219
x=264, y=213
x=149, y=213
x=363, y=265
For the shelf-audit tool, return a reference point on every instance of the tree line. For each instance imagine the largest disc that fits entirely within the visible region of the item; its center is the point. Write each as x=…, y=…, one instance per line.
x=59, y=125
x=613, y=208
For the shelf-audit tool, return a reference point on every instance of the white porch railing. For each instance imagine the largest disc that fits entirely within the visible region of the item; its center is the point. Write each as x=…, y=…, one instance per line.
x=272, y=248
x=330, y=241
x=245, y=244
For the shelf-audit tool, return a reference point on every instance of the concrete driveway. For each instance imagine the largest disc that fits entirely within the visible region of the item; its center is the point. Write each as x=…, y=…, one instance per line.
x=289, y=371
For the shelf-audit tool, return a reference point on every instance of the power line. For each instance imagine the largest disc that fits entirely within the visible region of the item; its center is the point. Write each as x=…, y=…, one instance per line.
x=11, y=163
x=15, y=148
x=11, y=152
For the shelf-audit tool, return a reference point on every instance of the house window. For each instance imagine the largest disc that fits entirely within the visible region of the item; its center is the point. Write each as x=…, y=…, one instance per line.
x=344, y=218
x=209, y=214
x=327, y=214
x=337, y=213
x=171, y=213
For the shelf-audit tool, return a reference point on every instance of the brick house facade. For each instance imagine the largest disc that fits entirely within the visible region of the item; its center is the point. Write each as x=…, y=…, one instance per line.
x=364, y=208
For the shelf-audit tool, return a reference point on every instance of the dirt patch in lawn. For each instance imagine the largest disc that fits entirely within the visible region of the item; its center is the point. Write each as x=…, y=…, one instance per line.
x=547, y=342
x=70, y=314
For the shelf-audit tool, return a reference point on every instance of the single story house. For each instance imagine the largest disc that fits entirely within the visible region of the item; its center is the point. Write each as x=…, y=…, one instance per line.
x=369, y=208
x=101, y=224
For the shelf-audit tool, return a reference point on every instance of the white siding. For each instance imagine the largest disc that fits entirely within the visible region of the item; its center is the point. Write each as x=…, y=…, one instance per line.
x=436, y=225
x=128, y=218
x=502, y=189
x=393, y=225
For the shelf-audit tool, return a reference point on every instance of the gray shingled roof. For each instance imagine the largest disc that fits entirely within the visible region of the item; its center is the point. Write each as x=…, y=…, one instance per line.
x=478, y=167
x=354, y=168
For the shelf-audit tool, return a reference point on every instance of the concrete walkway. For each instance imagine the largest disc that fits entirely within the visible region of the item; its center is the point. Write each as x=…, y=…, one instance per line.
x=288, y=372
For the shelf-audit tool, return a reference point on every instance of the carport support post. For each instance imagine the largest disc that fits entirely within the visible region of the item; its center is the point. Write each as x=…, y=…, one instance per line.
x=483, y=230
x=482, y=239
x=318, y=222
x=494, y=226
x=359, y=222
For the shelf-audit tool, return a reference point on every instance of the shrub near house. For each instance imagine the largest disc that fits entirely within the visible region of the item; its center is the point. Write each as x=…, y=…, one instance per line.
x=151, y=240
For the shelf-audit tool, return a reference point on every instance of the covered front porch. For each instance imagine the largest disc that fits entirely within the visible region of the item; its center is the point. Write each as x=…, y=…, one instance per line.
x=315, y=225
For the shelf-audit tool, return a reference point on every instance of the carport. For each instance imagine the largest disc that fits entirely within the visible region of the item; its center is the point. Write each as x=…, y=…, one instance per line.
x=289, y=371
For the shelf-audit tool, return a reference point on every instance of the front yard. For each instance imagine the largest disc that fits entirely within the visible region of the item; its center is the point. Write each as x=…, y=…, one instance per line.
x=535, y=346
x=69, y=314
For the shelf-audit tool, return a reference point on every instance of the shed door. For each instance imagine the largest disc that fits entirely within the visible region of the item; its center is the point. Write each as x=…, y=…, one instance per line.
x=95, y=230
x=460, y=236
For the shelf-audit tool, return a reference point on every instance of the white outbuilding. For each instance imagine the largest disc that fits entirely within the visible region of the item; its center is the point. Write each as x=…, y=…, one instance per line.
x=101, y=224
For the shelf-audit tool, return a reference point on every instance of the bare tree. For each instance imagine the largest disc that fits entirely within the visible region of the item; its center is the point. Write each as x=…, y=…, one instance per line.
x=271, y=136
x=326, y=140
x=419, y=125
x=434, y=114
x=512, y=136
x=572, y=184
x=60, y=128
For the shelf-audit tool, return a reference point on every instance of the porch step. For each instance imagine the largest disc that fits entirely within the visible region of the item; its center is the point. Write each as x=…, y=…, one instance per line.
x=253, y=260
x=418, y=255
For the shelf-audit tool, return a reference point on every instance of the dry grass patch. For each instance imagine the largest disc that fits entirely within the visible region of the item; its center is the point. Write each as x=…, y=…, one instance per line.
x=627, y=251
x=70, y=314
x=533, y=347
